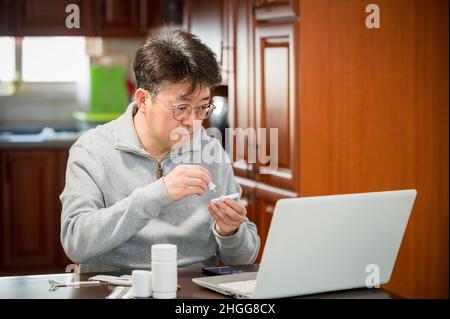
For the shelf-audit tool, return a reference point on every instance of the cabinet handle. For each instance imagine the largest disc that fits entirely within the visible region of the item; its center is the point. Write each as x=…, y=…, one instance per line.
x=269, y=209
x=222, y=47
x=7, y=170
x=250, y=170
x=143, y=16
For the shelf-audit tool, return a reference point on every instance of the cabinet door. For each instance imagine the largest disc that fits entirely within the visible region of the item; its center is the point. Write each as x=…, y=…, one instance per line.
x=268, y=3
x=28, y=208
x=265, y=213
x=260, y=201
x=5, y=21
x=241, y=89
x=276, y=101
x=272, y=10
x=48, y=17
x=266, y=198
x=208, y=20
x=120, y=18
x=62, y=157
x=248, y=200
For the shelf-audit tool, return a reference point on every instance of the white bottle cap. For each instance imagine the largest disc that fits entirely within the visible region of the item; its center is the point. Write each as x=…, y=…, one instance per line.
x=141, y=283
x=164, y=252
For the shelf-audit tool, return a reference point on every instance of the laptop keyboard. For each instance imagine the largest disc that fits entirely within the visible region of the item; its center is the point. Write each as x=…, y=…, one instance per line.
x=245, y=287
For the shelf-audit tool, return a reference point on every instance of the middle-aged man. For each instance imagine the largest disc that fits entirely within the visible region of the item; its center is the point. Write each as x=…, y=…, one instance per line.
x=126, y=189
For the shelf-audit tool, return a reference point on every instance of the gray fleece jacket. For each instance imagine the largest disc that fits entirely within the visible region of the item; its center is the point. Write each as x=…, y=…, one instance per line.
x=114, y=208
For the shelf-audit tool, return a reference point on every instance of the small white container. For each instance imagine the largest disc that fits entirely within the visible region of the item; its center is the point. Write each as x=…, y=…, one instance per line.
x=164, y=271
x=141, y=283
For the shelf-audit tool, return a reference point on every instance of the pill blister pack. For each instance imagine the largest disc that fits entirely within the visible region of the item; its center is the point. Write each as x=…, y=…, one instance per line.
x=121, y=292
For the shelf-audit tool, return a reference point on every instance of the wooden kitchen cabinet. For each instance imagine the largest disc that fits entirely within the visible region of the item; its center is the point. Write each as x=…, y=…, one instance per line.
x=269, y=3
x=120, y=18
x=62, y=156
x=265, y=213
x=5, y=20
x=262, y=94
x=265, y=198
x=48, y=17
x=260, y=200
x=257, y=46
x=210, y=20
x=133, y=18
x=241, y=87
x=31, y=181
x=103, y=18
x=276, y=103
x=273, y=10
x=356, y=132
x=258, y=211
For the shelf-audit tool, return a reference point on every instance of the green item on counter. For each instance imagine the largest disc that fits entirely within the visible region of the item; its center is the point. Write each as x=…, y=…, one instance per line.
x=95, y=117
x=108, y=94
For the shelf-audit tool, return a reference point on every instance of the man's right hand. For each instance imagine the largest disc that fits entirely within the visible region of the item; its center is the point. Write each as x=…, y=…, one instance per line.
x=185, y=180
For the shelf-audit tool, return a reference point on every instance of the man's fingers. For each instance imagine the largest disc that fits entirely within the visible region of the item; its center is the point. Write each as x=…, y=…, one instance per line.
x=195, y=190
x=199, y=169
x=230, y=213
x=215, y=210
x=196, y=173
x=185, y=180
x=196, y=182
x=220, y=216
x=216, y=216
x=236, y=206
x=206, y=171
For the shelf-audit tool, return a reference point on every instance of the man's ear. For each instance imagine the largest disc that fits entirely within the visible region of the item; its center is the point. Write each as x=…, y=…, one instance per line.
x=143, y=100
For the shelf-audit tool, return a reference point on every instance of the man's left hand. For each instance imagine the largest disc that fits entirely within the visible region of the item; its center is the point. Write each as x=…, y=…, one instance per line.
x=229, y=215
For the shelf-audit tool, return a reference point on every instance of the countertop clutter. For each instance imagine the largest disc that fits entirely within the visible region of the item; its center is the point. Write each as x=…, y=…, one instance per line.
x=32, y=287
x=48, y=137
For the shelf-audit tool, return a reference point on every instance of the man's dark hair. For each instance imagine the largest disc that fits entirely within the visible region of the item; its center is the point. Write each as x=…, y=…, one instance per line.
x=175, y=56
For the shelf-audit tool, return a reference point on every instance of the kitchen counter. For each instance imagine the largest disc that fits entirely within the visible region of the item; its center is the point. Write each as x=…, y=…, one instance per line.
x=47, y=138
x=36, y=145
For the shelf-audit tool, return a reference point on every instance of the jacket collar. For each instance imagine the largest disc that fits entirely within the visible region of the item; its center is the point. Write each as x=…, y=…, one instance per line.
x=125, y=135
x=126, y=138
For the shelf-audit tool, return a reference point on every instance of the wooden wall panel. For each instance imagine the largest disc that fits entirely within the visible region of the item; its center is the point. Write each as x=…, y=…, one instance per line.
x=374, y=116
x=275, y=101
x=28, y=190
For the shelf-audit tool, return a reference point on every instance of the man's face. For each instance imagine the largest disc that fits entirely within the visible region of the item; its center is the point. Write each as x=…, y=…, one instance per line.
x=160, y=117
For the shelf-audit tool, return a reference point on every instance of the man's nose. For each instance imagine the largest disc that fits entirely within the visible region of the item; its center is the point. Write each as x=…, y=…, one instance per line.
x=189, y=121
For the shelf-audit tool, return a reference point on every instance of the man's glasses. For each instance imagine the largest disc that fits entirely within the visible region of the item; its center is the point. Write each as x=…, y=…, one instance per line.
x=183, y=111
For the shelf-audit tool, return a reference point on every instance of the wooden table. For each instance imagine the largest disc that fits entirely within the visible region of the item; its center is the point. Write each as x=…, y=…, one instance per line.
x=37, y=287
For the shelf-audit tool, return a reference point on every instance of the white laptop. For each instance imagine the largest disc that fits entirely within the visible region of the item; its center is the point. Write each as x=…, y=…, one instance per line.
x=325, y=243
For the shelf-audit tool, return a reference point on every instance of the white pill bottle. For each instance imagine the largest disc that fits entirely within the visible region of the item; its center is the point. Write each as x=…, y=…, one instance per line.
x=164, y=271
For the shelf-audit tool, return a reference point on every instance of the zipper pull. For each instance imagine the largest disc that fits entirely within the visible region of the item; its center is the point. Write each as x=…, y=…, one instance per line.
x=159, y=171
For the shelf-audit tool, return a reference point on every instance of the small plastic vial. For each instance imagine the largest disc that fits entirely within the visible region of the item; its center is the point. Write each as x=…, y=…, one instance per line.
x=141, y=283
x=164, y=271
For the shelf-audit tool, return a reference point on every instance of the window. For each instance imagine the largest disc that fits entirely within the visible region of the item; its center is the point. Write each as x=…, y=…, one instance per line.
x=53, y=59
x=7, y=59
x=44, y=59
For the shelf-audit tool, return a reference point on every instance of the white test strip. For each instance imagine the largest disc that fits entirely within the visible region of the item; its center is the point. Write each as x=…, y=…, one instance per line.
x=222, y=198
x=212, y=186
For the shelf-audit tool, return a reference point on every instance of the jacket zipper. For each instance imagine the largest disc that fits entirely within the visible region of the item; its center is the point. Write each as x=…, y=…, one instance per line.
x=159, y=171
